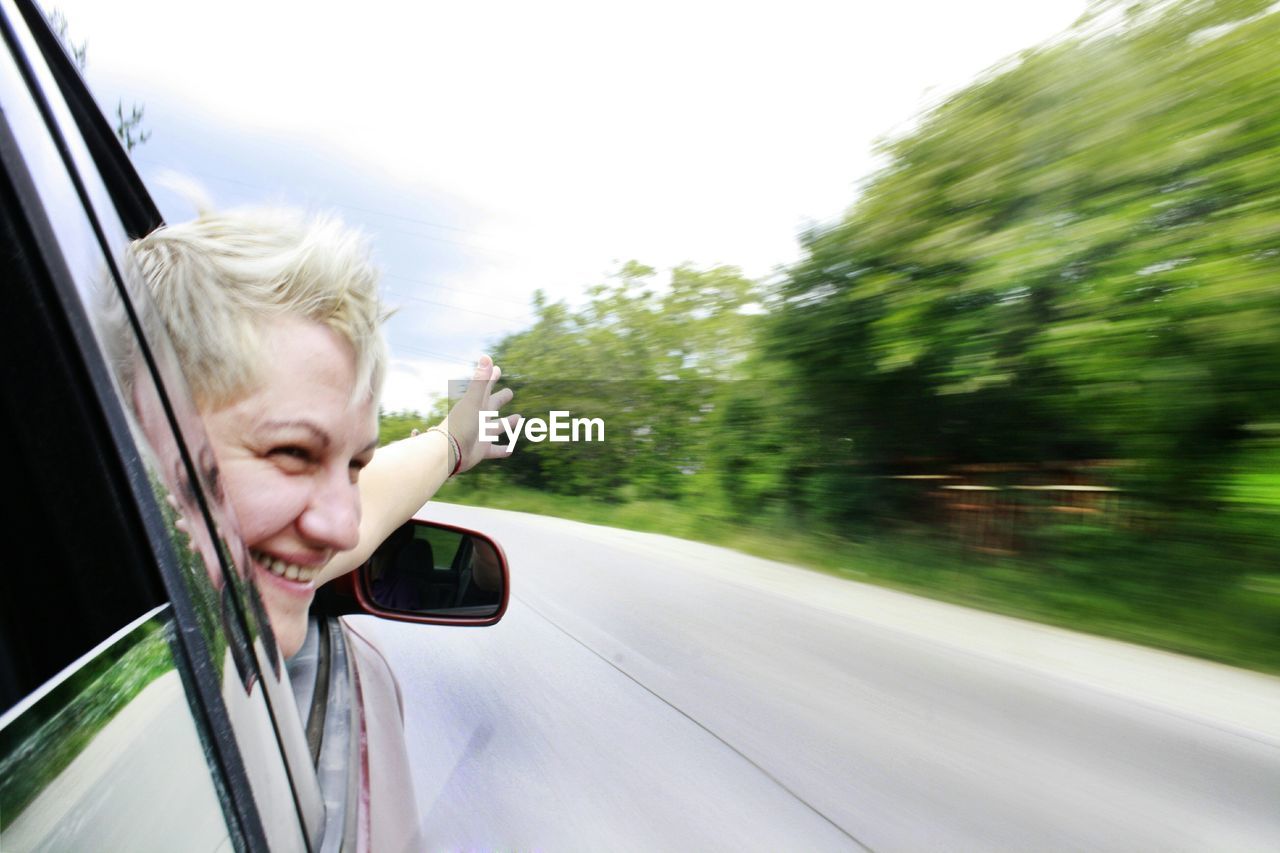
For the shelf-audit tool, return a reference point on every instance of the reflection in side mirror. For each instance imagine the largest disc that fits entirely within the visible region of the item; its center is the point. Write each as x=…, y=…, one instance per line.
x=437, y=574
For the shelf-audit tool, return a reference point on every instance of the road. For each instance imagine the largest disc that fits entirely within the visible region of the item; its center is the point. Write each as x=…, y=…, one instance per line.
x=646, y=693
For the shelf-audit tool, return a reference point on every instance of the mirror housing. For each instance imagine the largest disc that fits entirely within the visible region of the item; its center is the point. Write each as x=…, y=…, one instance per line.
x=429, y=573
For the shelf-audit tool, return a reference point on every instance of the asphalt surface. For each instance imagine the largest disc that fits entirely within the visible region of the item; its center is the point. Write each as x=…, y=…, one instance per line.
x=646, y=693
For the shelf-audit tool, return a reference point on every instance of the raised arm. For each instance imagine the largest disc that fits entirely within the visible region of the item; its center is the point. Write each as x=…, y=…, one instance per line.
x=405, y=474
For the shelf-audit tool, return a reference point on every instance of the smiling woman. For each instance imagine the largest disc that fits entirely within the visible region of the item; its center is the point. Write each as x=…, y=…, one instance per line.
x=290, y=454
x=275, y=317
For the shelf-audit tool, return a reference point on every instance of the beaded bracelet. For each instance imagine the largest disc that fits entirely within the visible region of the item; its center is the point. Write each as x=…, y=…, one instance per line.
x=453, y=446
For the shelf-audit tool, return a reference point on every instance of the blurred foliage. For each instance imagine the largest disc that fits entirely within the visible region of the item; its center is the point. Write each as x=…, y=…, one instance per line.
x=645, y=356
x=1075, y=258
x=393, y=426
x=1234, y=623
x=1061, y=292
x=41, y=743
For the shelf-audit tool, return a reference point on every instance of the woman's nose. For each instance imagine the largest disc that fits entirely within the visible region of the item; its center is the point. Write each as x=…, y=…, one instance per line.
x=332, y=518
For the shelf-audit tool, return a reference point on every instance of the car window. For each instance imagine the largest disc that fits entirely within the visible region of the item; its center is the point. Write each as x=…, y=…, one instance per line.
x=98, y=728
x=209, y=518
x=39, y=418
x=56, y=249
x=217, y=529
x=120, y=716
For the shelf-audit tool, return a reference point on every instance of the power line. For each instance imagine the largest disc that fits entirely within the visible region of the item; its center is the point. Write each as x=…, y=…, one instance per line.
x=426, y=222
x=522, y=303
x=409, y=279
x=410, y=219
x=520, y=319
x=265, y=189
x=441, y=355
x=490, y=296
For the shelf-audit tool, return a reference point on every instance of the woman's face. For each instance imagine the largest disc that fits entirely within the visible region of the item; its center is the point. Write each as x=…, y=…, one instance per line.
x=289, y=454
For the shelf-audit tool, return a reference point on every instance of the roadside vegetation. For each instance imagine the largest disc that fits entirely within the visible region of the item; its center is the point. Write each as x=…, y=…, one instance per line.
x=1033, y=368
x=1141, y=602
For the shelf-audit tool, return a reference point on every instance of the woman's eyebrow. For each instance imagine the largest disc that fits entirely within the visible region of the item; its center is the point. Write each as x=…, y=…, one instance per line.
x=317, y=433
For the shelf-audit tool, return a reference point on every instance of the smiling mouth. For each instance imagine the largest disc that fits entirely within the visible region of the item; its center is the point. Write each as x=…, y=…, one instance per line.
x=288, y=571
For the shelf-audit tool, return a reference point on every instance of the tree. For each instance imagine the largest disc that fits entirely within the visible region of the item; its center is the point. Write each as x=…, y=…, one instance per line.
x=128, y=127
x=1072, y=258
x=78, y=52
x=393, y=426
x=650, y=359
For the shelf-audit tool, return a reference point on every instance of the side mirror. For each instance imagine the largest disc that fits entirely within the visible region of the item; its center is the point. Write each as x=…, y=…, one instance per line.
x=430, y=573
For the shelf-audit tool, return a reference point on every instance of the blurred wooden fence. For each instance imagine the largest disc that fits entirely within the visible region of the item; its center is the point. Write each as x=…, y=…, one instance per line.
x=995, y=507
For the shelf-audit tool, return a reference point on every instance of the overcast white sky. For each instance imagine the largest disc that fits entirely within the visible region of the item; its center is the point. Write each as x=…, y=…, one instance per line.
x=493, y=148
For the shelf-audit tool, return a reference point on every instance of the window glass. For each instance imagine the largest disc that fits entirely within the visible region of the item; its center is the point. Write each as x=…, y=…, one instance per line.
x=57, y=477
x=201, y=504
x=86, y=763
x=164, y=483
x=444, y=544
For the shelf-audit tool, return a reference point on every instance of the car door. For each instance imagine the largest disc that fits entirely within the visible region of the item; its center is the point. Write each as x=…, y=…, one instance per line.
x=145, y=700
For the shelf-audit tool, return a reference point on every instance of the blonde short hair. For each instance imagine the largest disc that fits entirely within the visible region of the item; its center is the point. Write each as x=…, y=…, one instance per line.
x=219, y=280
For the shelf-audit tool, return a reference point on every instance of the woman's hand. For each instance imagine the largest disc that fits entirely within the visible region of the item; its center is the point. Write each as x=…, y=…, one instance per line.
x=463, y=422
x=405, y=474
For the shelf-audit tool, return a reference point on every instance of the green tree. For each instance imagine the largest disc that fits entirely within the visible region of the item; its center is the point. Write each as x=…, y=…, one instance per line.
x=645, y=356
x=128, y=126
x=1072, y=258
x=393, y=426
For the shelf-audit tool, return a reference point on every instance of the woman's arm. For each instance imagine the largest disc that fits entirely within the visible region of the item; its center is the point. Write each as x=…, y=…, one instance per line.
x=405, y=474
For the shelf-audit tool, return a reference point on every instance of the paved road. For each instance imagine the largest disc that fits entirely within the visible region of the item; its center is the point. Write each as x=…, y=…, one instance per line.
x=648, y=693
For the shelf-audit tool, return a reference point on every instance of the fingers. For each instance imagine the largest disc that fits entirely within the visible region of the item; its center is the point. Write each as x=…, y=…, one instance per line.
x=493, y=379
x=480, y=381
x=480, y=388
x=497, y=401
x=480, y=396
x=495, y=451
x=181, y=524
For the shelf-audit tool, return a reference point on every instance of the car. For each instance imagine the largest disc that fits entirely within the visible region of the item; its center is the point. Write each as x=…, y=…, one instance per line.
x=144, y=702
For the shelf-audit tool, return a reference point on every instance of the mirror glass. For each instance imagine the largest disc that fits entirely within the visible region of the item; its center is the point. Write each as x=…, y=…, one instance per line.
x=436, y=571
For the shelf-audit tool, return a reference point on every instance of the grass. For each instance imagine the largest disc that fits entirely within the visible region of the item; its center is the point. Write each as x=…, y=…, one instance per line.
x=1166, y=595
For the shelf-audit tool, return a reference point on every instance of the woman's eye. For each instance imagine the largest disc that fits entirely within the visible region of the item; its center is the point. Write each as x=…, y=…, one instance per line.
x=291, y=455
x=185, y=487
x=214, y=478
x=212, y=474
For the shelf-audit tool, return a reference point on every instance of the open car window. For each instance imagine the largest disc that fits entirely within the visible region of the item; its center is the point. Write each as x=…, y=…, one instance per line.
x=120, y=621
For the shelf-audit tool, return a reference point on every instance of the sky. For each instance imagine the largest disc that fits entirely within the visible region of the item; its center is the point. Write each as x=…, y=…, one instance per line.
x=491, y=149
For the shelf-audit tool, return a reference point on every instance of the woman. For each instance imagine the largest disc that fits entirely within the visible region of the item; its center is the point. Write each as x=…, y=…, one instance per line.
x=276, y=319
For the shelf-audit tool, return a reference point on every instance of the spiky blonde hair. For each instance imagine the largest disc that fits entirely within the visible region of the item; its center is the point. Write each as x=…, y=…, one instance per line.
x=221, y=279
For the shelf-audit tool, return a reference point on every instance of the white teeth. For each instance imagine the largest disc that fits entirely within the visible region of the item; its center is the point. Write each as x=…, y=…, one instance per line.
x=290, y=571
